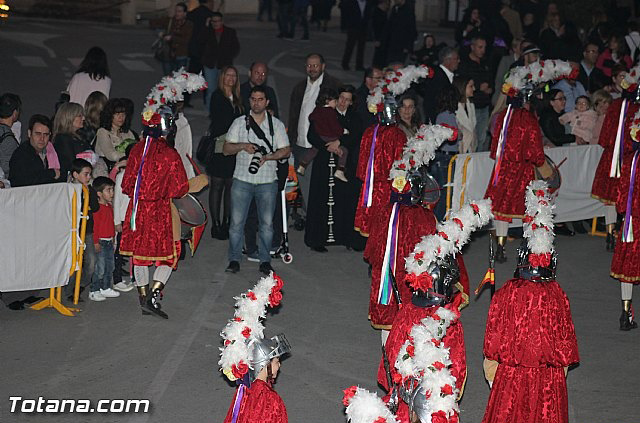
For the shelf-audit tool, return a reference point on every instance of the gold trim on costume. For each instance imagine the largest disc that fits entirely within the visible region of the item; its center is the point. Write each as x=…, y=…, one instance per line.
x=627, y=279
x=602, y=200
x=510, y=216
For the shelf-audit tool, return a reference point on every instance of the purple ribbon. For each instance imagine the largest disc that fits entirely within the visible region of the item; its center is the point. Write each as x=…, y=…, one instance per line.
x=238, y=402
x=627, y=234
x=368, y=183
x=389, y=262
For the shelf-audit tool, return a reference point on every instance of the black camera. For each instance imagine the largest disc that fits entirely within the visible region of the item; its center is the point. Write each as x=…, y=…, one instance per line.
x=254, y=165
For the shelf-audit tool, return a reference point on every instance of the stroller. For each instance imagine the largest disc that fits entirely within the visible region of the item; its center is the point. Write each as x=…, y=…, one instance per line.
x=289, y=198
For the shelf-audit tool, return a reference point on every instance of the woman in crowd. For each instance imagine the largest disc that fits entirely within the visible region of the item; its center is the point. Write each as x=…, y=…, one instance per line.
x=409, y=121
x=428, y=53
x=465, y=115
x=601, y=101
x=226, y=105
x=92, y=75
x=112, y=132
x=614, y=54
x=552, y=129
x=332, y=203
x=68, y=120
x=473, y=25
x=92, y=109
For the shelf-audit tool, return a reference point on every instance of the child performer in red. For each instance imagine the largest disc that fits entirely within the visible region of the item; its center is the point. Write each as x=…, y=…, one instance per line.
x=530, y=341
x=616, y=141
x=252, y=361
x=517, y=144
x=626, y=259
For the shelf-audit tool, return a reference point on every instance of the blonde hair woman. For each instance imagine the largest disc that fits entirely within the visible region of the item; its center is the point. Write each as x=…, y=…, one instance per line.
x=68, y=119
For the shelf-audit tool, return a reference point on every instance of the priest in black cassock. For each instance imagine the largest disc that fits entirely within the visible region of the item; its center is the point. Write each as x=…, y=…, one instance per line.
x=332, y=203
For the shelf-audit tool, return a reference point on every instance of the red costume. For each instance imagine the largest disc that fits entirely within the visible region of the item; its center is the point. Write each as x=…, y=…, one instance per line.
x=530, y=335
x=625, y=265
x=604, y=187
x=522, y=152
x=389, y=143
x=409, y=316
x=163, y=178
x=261, y=405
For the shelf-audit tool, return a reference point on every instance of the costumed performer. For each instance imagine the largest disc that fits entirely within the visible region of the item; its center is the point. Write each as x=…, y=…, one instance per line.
x=250, y=360
x=616, y=141
x=153, y=176
x=517, y=146
x=435, y=270
x=625, y=265
x=530, y=341
x=402, y=222
x=381, y=144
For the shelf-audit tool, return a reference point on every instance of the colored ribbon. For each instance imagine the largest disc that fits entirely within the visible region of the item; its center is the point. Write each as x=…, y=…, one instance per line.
x=627, y=233
x=238, y=402
x=502, y=140
x=616, y=160
x=368, y=183
x=136, y=193
x=389, y=263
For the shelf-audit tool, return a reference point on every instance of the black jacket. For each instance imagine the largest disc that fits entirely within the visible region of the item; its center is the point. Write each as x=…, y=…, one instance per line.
x=361, y=108
x=222, y=115
x=479, y=72
x=199, y=17
x=430, y=89
x=220, y=53
x=401, y=32
x=553, y=129
x=353, y=19
x=245, y=93
x=67, y=146
x=594, y=81
x=28, y=169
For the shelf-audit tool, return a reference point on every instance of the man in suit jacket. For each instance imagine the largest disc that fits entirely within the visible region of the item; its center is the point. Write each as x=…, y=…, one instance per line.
x=221, y=46
x=356, y=15
x=371, y=78
x=430, y=89
x=302, y=103
x=401, y=31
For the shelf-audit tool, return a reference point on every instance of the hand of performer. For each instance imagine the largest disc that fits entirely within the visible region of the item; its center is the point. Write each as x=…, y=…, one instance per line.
x=97, y=247
x=198, y=183
x=119, y=227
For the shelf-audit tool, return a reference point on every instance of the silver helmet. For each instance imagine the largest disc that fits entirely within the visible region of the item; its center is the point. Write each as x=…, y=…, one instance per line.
x=265, y=350
x=166, y=127
x=445, y=274
x=388, y=114
x=525, y=270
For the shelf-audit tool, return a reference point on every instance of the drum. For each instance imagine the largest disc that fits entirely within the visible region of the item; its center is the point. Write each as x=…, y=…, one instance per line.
x=550, y=173
x=430, y=191
x=192, y=215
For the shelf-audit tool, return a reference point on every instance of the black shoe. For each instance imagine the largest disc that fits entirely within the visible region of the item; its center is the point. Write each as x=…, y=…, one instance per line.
x=16, y=305
x=153, y=304
x=611, y=242
x=578, y=227
x=627, y=322
x=233, y=267
x=562, y=229
x=265, y=268
x=319, y=249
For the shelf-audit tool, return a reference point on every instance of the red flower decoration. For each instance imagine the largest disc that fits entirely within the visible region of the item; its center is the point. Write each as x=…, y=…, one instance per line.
x=395, y=80
x=380, y=107
x=539, y=260
x=275, y=298
x=160, y=87
x=436, y=342
x=151, y=102
x=279, y=282
x=540, y=193
x=443, y=235
x=574, y=73
x=246, y=332
x=411, y=350
x=397, y=378
x=527, y=219
x=419, y=255
x=163, y=100
x=431, y=73
x=240, y=370
x=475, y=208
x=398, y=73
x=439, y=417
x=412, y=162
x=459, y=222
x=438, y=365
x=227, y=343
x=446, y=390
x=251, y=296
x=380, y=420
x=348, y=394
x=385, y=90
x=237, y=319
x=454, y=418
x=421, y=282
x=454, y=135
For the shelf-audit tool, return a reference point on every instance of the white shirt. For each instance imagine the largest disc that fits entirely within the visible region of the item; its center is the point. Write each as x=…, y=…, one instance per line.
x=448, y=73
x=238, y=133
x=120, y=200
x=184, y=144
x=308, y=104
x=362, y=4
x=81, y=85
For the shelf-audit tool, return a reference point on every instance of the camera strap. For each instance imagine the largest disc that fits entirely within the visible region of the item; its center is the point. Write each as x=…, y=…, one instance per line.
x=259, y=132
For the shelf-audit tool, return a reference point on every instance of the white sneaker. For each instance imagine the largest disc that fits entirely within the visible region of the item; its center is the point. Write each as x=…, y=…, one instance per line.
x=96, y=296
x=109, y=293
x=123, y=286
x=340, y=175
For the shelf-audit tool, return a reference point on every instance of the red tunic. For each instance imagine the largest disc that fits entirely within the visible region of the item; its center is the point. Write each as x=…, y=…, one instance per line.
x=530, y=334
x=625, y=265
x=522, y=151
x=261, y=405
x=605, y=188
x=163, y=178
x=409, y=316
x=389, y=143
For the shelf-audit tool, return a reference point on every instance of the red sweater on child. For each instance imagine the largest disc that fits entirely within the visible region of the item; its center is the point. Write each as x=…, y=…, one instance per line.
x=326, y=124
x=103, y=226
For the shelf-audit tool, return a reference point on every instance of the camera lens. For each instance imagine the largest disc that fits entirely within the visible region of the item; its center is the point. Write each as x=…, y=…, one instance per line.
x=254, y=165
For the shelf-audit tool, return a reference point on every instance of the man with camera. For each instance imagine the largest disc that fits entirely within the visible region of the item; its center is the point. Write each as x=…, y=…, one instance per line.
x=259, y=140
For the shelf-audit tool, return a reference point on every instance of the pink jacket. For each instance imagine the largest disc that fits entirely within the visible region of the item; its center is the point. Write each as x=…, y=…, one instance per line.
x=582, y=124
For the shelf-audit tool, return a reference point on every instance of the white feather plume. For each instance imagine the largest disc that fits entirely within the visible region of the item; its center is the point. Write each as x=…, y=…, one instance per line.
x=535, y=73
x=395, y=84
x=367, y=407
x=171, y=89
x=538, y=223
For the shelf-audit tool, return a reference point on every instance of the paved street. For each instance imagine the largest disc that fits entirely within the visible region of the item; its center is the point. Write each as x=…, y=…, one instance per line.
x=110, y=351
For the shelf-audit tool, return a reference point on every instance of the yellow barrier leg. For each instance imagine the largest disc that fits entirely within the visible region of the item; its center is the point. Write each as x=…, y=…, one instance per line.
x=53, y=302
x=594, y=231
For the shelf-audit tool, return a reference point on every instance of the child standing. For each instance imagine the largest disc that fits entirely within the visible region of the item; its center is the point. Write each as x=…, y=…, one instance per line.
x=103, y=241
x=324, y=119
x=582, y=120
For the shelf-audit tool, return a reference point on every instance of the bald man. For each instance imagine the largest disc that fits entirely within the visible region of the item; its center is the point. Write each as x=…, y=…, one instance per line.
x=258, y=73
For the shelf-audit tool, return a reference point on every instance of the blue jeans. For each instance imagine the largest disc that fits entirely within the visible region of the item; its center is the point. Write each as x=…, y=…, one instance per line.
x=482, y=125
x=104, y=267
x=211, y=76
x=241, y=195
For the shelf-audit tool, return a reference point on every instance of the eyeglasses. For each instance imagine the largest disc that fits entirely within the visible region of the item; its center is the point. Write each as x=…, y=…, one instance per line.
x=560, y=99
x=313, y=65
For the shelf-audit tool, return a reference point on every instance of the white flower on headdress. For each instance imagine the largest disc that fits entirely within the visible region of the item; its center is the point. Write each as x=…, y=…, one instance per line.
x=536, y=73
x=171, y=89
x=538, y=223
x=396, y=83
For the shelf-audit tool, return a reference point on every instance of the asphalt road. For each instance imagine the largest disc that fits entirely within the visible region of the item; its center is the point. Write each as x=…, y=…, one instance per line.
x=110, y=351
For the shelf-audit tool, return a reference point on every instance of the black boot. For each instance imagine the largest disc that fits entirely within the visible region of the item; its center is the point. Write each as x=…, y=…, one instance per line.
x=215, y=229
x=500, y=255
x=153, y=300
x=142, y=297
x=611, y=239
x=626, y=318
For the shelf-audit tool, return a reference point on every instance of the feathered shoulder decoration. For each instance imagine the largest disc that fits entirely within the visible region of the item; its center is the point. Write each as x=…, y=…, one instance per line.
x=396, y=83
x=419, y=150
x=537, y=73
x=450, y=237
x=630, y=81
x=538, y=223
x=170, y=89
x=246, y=325
x=366, y=407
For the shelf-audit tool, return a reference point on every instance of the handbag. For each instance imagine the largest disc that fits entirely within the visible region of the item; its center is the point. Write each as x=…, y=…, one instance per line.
x=206, y=149
x=219, y=143
x=162, y=50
